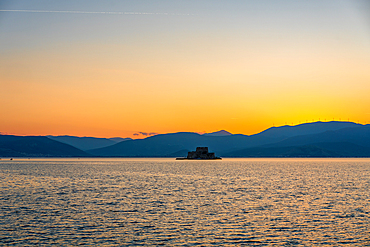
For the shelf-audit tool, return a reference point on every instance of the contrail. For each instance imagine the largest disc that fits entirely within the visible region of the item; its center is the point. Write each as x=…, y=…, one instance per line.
x=87, y=12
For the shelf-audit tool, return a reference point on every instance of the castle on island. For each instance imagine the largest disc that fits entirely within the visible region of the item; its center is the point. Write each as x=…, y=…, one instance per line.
x=200, y=153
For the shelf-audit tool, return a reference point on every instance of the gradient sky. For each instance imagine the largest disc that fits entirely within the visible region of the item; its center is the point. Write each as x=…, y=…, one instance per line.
x=71, y=68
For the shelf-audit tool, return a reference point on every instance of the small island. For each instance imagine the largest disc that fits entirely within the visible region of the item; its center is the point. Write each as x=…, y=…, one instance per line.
x=201, y=153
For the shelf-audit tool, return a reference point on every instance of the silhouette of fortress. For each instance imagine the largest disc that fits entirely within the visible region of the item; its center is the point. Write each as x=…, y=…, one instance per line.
x=200, y=153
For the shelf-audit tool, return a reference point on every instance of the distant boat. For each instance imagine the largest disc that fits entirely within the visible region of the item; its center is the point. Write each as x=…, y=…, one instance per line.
x=201, y=153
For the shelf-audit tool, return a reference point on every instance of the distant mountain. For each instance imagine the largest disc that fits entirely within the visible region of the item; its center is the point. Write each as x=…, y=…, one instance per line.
x=36, y=146
x=155, y=146
x=321, y=139
x=328, y=149
x=86, y=143
x=181, y=153
x=218, y=133
x=119, y=139
x=274, y=142
x=306, y=129
x=167, y=144
x=346, y=142
x=358, y=135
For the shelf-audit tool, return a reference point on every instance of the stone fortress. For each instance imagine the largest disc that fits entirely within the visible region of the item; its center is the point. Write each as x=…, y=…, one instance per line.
x=200, y=153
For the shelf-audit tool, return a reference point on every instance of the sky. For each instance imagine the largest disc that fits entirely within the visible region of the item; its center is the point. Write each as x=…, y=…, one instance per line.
x=136, y=68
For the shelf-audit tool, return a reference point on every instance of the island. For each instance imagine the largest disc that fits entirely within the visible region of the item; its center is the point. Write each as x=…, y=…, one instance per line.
x=201, y=153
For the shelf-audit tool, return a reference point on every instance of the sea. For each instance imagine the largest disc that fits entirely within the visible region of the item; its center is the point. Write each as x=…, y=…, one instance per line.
x=152, y=202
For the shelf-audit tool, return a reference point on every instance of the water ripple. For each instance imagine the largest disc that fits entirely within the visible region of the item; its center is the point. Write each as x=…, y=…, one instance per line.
x=247, y=202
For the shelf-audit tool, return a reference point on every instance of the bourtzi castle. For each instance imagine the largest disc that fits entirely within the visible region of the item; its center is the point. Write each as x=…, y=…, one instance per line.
x=200, y=153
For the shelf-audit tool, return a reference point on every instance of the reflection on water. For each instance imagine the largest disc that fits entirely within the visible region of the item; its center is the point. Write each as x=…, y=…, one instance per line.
x=162, y=201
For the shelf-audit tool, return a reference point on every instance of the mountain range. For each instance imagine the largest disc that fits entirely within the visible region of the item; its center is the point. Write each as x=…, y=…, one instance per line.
x=36, y=146
x=86, y=143
x=319, y=139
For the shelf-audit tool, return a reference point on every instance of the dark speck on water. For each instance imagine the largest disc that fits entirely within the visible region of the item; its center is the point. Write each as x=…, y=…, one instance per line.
x=242, y=202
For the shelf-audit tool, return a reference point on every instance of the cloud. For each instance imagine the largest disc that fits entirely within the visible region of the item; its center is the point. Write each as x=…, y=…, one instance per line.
x=145, y=134
x=88, y=12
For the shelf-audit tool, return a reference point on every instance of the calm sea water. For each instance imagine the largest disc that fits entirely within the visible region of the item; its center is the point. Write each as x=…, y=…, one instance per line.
x=260, y=202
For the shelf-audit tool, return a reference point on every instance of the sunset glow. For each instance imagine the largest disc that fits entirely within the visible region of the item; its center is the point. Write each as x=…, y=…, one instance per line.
x=196, y=66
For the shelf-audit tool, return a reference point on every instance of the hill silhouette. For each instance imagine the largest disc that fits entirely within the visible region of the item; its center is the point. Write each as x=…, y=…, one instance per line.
x=359, y=135
x=306, y=129
x=86, y=143
x=166, y=144
x=36, y=146
x=218, y=133
x=326, y=149
x=320, y=139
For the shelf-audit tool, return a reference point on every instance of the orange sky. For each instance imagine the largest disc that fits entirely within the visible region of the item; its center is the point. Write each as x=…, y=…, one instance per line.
x=105, y=76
